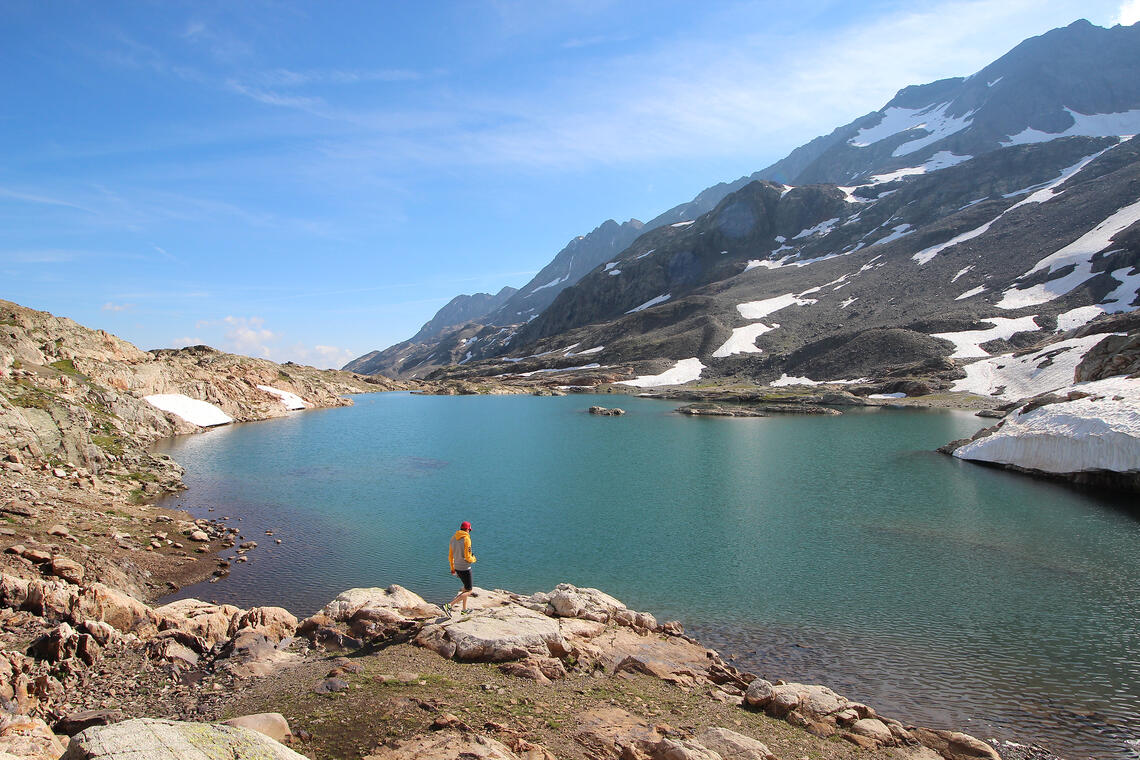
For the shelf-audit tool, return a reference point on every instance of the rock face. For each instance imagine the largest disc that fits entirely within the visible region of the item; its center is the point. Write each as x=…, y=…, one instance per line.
x=496, y=635
x=172, y=740
x=76, y=395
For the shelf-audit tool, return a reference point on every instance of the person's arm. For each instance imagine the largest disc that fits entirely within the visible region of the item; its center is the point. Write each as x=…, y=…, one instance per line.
x=450, y=558
x=467, y=555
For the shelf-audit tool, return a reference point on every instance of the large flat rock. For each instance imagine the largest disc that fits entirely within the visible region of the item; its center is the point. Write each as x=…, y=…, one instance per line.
x=147, y=739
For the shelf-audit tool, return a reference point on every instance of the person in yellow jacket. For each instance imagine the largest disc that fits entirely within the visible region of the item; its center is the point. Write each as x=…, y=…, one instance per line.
x=461, y=559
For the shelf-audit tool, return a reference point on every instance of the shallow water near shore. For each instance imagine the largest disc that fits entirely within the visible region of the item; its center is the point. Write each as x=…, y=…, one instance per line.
x=835, y=550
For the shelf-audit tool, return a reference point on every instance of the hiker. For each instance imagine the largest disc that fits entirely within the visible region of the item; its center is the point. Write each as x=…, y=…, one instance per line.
x=461, y=559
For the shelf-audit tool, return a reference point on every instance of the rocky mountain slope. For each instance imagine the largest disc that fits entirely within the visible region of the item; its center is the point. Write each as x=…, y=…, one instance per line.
x=77, y=399
x=1079, y=80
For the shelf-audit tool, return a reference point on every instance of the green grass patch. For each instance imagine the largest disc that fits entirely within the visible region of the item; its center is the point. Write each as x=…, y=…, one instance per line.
x=137, y=496
x=109, y=443
x=67, y=367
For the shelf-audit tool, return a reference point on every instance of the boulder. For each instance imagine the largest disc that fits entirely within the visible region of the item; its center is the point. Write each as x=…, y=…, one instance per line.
x=173, y=740
x=275, y=623
x=733, y=746
x=873, y=728
x=28, y=738
x=395, y=598
x=953, y=745
x=67, y=569
x=215, y=623
x=271, y=724
x=73, y=723
x=500, y=634
x=445, y=745
x=96, y=602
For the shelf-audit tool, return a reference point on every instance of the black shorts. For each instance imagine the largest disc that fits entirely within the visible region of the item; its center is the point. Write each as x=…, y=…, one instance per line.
x=465, y=576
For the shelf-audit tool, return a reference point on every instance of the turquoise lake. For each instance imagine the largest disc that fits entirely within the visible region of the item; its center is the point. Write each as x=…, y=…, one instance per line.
x=833, y=549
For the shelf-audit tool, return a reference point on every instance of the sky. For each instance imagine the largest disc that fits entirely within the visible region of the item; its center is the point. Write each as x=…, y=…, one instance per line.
x=312, y=181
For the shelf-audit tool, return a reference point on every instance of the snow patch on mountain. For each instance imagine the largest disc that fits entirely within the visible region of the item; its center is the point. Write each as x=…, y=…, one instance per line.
x=961, y=272
x=761, y=309
x=743, y=340
x=896, y=120
x=899, y=231
x=1098, y=432
x=821, y=229
x=1078, y=317
x=650, y=302
x=200, y=413
x=1123, y=123
x=1011, y=378
x=684, y=371
x=968, y=342
x=1077, y=254
x=291, y=400
x=971, y=293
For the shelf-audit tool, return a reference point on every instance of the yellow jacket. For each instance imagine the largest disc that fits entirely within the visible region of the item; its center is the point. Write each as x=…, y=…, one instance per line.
x=460, y=545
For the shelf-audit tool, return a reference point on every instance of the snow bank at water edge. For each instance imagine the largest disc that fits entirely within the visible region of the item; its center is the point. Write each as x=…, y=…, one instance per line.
x=291, y=400
x=200, y=413
x=1098, y=432
x=685, y=370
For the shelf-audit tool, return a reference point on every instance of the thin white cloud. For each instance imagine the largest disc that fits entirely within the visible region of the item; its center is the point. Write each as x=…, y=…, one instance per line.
x=117, y=306
x=41, y=199
x=248, y=336
x=1128, y=14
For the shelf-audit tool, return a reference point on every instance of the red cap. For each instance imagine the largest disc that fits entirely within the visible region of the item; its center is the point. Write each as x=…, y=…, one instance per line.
x=465, y=525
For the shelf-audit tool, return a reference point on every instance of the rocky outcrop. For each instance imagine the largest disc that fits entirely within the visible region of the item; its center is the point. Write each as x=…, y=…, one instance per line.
x=606, y=412
x=452, y=744
x=361, y=614
x=75, y=397
x=173, y=740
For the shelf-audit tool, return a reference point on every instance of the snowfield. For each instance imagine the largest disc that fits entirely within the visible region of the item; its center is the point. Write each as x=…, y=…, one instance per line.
x=684, y=371
x=968, y=342
x=1077, y=254
x=200, y=413
x=1099, y=432
x=933, y=119
x=1085, y=125
x=1012, y=378
x=292, y=400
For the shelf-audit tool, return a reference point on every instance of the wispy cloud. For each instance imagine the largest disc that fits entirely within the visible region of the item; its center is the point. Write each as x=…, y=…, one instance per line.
x=117, y=306
x=601, y=39
x=41, y=199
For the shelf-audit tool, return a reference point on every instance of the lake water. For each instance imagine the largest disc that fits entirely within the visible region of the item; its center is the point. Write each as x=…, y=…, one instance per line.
x=837, y=550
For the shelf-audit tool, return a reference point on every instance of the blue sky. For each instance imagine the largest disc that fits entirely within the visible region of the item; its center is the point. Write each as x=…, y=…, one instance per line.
x=311, y=181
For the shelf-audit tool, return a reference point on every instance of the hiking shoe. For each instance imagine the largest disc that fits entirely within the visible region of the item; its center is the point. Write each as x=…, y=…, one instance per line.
x=447, y=609
x=465, y=612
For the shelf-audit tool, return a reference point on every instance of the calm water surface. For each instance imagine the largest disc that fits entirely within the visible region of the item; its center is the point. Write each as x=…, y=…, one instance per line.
x=838, y=550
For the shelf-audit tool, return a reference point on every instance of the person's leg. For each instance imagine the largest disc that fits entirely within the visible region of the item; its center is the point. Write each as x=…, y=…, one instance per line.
x=461, y=597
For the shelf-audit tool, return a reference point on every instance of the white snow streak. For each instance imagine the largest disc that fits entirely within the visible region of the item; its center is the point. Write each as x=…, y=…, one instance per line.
x=971, y=293
x=650, y=302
